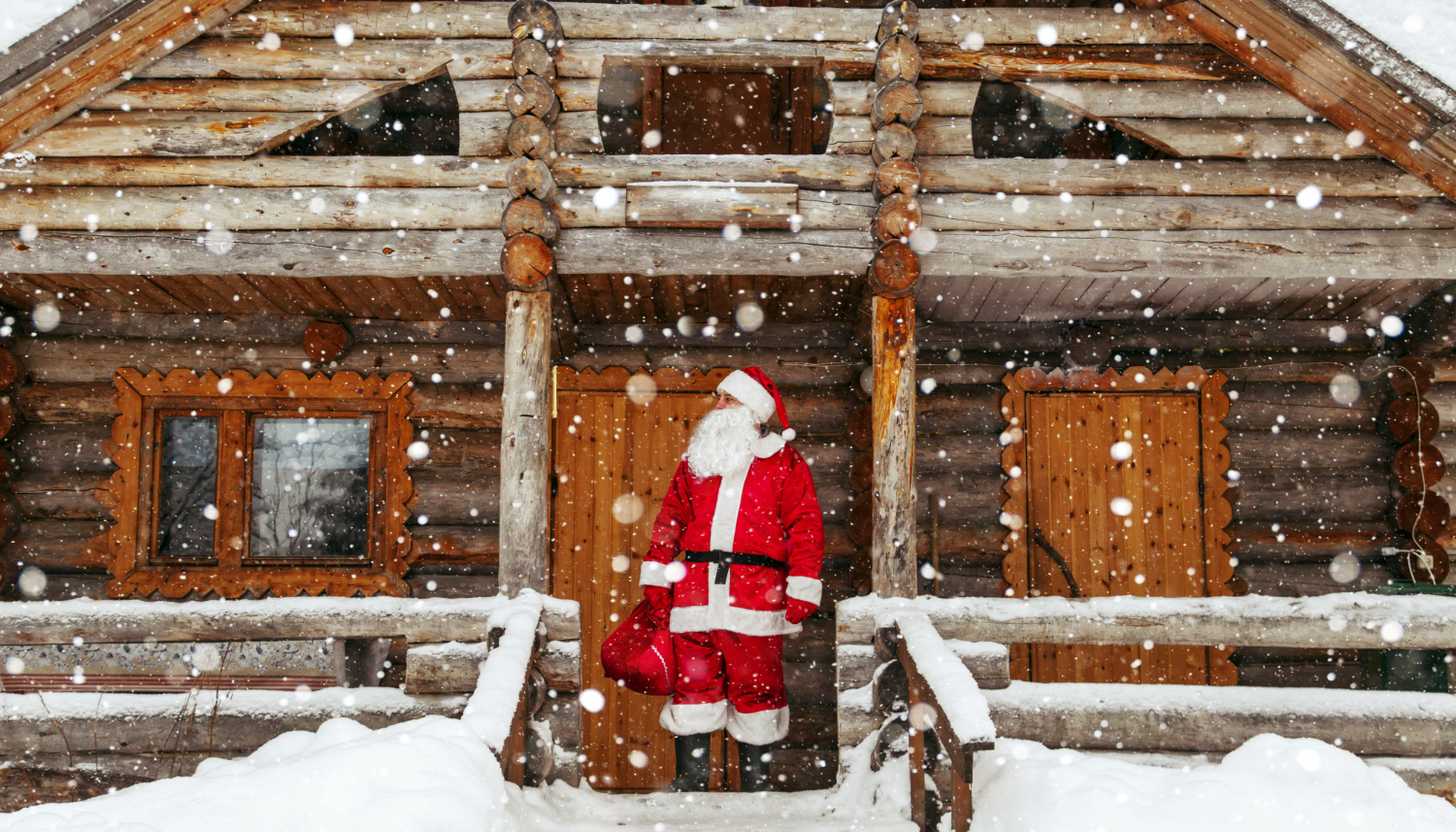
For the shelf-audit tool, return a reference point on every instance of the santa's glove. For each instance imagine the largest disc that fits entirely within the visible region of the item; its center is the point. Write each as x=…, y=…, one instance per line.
x=798, y=610
x=659, y=598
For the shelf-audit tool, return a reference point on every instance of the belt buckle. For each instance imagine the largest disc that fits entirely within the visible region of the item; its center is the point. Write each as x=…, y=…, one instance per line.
x=725, y=561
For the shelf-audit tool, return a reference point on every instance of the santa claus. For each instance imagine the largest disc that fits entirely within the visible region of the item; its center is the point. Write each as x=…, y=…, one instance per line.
x=742, y=511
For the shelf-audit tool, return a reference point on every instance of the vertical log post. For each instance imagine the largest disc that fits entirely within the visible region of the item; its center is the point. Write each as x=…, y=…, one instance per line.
x=525, y=456
x=528, y=263
x=892, y=277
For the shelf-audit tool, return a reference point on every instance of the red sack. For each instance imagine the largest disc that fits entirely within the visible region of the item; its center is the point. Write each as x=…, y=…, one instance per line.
x=639, y=653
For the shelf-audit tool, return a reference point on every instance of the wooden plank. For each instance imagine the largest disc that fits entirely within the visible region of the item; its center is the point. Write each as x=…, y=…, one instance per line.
x=171, y=134
x=1201, y=718
x=894, y=570
x=1171, y=99
x=98, y=63
x=1019, y=256
x=941, y=98
x=525, y=444
x=934, y=136
x=703, y=205
x=1246, y=139
x=437, y=18
x=1213, y=177
x=473, y=59
x=257, y=96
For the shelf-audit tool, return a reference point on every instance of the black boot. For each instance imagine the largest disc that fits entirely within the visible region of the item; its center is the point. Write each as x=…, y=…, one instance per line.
x=692, y=763
x=753, y=763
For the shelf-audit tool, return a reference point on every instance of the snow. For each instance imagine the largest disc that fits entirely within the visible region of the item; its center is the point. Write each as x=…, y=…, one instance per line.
x=1269, y=784
x=502, y=675
x=1421, y=31
x=20, y=18
x=325, y=703
x=953, y=685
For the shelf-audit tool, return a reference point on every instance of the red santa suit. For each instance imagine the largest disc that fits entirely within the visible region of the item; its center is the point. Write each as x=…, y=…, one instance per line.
x=728, y=629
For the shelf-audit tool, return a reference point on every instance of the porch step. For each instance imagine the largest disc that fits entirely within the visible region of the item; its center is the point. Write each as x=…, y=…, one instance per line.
x=582, y=810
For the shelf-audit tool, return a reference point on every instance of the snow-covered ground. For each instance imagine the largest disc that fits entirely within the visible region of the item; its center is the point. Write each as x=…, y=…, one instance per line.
x=19, y=18
x=434, y=773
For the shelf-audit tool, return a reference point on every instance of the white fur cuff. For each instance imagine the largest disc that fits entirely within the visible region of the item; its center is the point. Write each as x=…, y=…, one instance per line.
x=653, y=574
x=701, y=718
x=808, y=590
x=759, y=727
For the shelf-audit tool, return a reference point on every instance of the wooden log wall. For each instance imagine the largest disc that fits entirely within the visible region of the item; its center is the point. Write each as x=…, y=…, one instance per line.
x=66, y=403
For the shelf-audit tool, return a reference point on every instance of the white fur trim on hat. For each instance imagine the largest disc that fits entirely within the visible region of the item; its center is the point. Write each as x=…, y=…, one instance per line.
x=741, y=386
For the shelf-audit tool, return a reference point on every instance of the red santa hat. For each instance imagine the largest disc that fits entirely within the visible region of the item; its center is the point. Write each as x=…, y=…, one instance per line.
x=756, y=390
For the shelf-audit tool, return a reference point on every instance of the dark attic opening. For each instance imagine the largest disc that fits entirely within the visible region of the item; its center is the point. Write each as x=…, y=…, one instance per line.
x=671, y=108
x=421, y=118
x=1009, y=121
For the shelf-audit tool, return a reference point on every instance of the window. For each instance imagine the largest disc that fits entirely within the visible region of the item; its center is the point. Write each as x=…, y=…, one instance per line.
x=1011, y=122
x=648, y=107
x=421, y=118
x=258, y=485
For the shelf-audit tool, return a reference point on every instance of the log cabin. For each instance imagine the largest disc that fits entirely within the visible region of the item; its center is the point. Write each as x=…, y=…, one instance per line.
x=371, y=298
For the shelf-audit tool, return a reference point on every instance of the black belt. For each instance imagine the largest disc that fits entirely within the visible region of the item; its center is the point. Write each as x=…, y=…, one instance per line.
x=730, y=558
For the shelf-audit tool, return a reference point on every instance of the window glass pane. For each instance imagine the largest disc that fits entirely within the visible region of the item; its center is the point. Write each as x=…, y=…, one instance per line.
x=186, y=501
x=310, y=488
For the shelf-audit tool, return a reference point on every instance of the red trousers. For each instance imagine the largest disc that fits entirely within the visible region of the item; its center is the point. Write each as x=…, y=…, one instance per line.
x=728, y=680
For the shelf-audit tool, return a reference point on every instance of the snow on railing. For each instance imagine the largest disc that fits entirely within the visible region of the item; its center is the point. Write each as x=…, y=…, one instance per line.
x=956, y=693
x=418, y=620
x=499, y=698
x=1344, y=620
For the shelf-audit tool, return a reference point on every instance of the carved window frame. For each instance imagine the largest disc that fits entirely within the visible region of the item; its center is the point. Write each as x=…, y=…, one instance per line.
x=143, y=399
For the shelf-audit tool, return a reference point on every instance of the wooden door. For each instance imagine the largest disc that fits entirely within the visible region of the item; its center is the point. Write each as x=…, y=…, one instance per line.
x=614, y=460
x=1115, y=487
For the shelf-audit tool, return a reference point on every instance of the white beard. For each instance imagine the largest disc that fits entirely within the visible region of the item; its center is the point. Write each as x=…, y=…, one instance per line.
x=722, y=443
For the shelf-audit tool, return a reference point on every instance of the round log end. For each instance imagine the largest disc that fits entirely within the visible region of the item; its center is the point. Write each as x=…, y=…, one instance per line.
x=897, y=216
x=902, y=18
x=1425, y=562
x=530, y=176
x=527, y=262
x=531, y=57
x=1406, y=417
x=897, y=176
x=894, y=271
x=534, y=19
x=897, y=101
x=893, y=141
x=1418, y=467
x=326, y=341
x=532, y=95
x=1411, y=376
x=1422, y=513
x=7, y=416
x=898, y=59
x=528, y=215
x=531, y=137
x=9, y=369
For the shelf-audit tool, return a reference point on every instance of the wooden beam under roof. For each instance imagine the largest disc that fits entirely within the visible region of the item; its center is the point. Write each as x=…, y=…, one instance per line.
x=57, y=85
x=1292, y=44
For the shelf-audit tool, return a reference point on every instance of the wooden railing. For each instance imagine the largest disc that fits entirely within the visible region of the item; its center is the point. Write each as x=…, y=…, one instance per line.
x=943, y=698
x=507, y=633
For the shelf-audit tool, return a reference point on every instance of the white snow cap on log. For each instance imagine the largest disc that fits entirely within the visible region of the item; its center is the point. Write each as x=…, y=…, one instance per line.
x=954, y=687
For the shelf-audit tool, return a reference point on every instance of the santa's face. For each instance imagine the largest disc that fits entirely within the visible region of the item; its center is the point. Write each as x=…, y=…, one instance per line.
x=723, y=440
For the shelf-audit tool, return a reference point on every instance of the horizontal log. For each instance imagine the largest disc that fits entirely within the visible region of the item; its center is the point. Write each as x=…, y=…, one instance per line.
x=237, y=722
x=487, y=134
x=1196, y=718
x=1172, y=99
x=171, y=133
x=1297, y=540
x=420, y=621
x=1309, y=450
x=1273, y=495
x=445, y=549
x=1166, y=336
x=1194, y=255
x=1246, y=139
x=207, y=95
x=56, y=545
x=1214, y=177
x=934, y=136
x=480, y=584
x=71, y=360
x=60, y=496
x=1265, y=405
x=988, y=212
x=271, y=328
x=988, y=662
x=940, y=98
x=1232, y=621
x=697, y=205
x=477, y=58
x=76, y=448
x=1302, y=580
x=455, y=667
x=436, y=18
x=455, y=497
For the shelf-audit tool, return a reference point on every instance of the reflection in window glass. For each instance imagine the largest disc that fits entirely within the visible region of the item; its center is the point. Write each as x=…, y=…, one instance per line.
x=310, y=488
x=188, y=487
